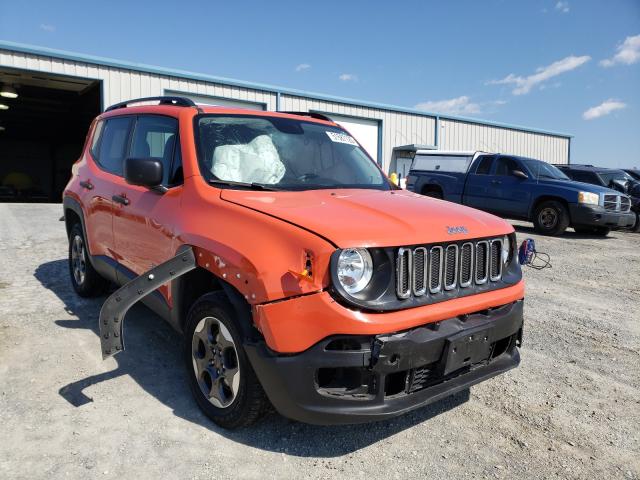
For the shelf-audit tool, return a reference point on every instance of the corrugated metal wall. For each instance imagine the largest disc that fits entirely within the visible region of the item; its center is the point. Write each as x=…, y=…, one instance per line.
x=397, y=127
x=457, y=135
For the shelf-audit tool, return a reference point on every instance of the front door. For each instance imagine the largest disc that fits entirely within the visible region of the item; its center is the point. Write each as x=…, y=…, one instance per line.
x=143, y=218
x=510, y=195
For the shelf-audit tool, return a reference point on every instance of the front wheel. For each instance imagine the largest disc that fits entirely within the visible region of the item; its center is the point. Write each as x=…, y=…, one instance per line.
x=220, y=376
x=551, y=218
x=636, y=227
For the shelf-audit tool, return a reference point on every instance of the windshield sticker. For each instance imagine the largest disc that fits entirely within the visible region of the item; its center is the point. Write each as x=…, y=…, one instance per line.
x=341, y=138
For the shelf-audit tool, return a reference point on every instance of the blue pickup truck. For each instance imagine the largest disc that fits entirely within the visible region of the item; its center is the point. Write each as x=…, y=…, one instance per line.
x=520, y=188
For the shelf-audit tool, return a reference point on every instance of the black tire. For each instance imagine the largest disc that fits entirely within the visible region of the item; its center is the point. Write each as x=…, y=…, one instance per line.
x=432, y=194
x=636, y=227
x=551, y=218
x=86, y=281
x=596, y=231
x=211, y=355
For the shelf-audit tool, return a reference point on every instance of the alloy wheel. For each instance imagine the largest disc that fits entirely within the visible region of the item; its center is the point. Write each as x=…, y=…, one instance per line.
x=78, y=260
x=215, y=362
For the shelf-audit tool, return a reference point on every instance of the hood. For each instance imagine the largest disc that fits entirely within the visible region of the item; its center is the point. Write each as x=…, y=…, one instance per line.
x=372, y=218
x=576, y=186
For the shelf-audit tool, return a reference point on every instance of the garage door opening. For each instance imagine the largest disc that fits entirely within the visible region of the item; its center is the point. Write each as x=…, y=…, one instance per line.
x=42, y=132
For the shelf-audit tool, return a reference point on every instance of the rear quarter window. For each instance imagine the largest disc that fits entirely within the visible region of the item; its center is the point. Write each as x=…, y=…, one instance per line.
x=113, y=144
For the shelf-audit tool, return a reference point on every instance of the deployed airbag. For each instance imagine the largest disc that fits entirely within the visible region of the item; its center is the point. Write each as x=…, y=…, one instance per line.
x=255, y=162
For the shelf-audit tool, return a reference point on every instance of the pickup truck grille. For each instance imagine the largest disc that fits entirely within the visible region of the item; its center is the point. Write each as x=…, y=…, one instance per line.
x=433, y=270
x=616, y=203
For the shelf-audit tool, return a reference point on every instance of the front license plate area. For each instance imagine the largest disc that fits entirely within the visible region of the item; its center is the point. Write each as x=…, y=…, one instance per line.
x=622, y=222
x=466, y=349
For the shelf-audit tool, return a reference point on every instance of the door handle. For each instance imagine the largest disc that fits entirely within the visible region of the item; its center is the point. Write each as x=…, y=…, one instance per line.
x=88, y=185
x=496, y=182
x=120, y=199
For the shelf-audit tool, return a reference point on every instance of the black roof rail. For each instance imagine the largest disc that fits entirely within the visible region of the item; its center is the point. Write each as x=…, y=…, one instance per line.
x=579, y=165
x=319, y=116
x=164, y=100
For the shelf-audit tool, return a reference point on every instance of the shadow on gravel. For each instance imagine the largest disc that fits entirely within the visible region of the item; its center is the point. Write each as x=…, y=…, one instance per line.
x=153, y=359
x=567, y=234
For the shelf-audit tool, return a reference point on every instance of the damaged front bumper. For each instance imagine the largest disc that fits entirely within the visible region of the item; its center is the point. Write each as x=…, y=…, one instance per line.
x=356, y=379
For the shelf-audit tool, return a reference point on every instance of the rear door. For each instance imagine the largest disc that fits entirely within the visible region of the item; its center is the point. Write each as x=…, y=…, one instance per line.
x=478, y=183
x=109, y=145
x=143, y=219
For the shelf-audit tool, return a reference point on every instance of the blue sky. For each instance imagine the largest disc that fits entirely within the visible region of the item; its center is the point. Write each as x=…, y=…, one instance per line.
x=571, y=66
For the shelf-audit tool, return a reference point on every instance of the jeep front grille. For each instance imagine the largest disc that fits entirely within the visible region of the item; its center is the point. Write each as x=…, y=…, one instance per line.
x=433, y=270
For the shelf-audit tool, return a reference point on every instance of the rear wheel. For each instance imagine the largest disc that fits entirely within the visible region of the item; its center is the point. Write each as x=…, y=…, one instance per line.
x=432, y=193
x=597, y=231
x=84, y=278
x=636, y=227
x=551, y=218
x=220, y=375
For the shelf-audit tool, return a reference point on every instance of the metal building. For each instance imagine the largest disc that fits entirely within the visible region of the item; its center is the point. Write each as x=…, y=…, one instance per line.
x=42, y=131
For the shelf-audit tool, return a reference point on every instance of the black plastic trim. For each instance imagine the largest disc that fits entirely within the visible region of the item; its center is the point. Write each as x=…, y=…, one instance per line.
x=163, y=100
x=292, y=387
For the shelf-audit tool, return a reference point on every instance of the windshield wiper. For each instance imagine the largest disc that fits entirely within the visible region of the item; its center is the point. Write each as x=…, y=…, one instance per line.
x=247, y=185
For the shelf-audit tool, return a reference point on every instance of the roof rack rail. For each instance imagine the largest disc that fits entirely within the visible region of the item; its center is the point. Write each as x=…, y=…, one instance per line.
x=319, y=116
x=576, y=165
x=164, y=100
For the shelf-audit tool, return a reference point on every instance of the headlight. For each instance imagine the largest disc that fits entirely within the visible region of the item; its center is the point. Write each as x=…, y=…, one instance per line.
x=506, y=249
x=354, y=269
x=589, y=198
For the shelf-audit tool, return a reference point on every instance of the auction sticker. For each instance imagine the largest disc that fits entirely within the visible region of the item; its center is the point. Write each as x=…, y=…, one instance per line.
x=341, y=138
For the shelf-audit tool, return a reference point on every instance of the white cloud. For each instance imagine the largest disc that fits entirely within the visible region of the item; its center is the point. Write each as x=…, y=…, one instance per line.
x=454, y=106
x=562, y=6
x=348, y=77
x=605, y=108
x=524, y=85
x=628, y=53
x=47, y=27
x=302, y=67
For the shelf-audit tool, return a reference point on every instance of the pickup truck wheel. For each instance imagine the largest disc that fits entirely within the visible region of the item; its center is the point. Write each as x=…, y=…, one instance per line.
x=636, y=227
x=597, y=231
x=84, y=278
x=220, y=375
x=433, y=194
x=551, y=218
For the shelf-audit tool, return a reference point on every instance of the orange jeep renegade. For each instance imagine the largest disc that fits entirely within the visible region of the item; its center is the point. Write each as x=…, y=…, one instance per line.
x=297, y=273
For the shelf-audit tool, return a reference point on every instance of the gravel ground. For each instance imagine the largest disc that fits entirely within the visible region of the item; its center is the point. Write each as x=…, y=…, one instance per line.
x=571, y=410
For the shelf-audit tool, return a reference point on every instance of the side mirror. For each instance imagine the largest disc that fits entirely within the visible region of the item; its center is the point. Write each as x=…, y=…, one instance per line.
x=146, y=172
x=519, y=174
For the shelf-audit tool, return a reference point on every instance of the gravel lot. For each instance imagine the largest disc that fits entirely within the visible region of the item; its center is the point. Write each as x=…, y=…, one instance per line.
x=572, y=409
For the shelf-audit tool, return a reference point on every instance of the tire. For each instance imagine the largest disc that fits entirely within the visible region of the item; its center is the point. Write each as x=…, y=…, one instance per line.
x=636, y=227
x=551, y=218
x=214, y=355
x=86, y=281
x=596, y=231
x=433, y=194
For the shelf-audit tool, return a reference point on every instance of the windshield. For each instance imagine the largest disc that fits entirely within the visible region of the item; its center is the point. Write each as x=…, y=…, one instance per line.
x=620, y=175
x=272, y=153
x=541, y=169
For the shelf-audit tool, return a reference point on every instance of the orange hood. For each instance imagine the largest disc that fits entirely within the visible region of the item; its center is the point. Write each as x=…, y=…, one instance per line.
x=371, y=218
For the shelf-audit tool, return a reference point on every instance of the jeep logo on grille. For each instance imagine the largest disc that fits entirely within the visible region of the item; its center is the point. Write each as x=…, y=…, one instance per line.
x=455, y=230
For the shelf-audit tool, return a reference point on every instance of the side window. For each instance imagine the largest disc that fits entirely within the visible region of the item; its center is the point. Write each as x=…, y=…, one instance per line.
x=505, y=166
x=155, y=137
x=484, y=167
x=113, y=144
x=581, y=176
x=96, y=138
